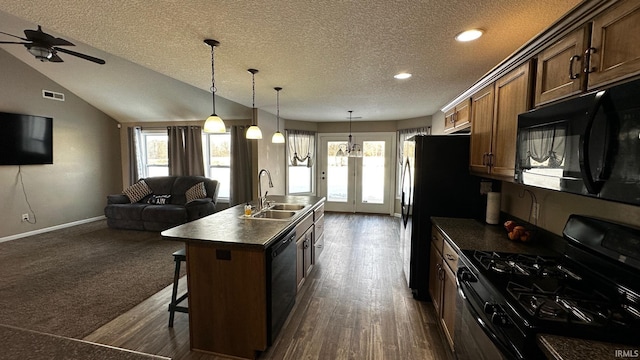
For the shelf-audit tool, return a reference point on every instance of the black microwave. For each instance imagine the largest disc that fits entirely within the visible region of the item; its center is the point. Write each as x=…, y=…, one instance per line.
x=588, y=145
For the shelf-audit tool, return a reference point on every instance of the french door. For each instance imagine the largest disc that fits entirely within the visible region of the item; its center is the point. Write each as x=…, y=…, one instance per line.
x=357, y=184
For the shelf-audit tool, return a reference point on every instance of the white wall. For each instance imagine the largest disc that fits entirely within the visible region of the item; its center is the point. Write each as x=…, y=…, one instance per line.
x=86, y=155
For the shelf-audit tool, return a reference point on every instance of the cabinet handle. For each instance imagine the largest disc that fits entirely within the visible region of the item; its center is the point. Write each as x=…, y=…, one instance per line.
x=573, y=76
x=587, y=60
x=484, y=159
x=450, y=257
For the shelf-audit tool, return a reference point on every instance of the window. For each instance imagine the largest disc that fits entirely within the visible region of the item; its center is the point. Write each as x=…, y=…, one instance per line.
x=217, y=157
x=155, y=153
x=217, y=148
x=300, y=162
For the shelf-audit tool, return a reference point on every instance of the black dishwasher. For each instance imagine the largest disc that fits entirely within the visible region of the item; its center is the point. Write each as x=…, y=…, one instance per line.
x=281, y=282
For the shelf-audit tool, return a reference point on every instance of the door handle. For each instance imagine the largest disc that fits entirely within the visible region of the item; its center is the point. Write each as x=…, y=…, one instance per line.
x=573, y=76
x=587, y=60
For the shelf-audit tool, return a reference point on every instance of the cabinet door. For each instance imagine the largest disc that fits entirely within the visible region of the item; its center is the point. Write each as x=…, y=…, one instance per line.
x=435, y=281
x=482, y=105
x=300, y=261
x=559, y=68
x=463, y=113
x=614, y=43
x=512, y=94
x=449, y=293
x=449, y=120
x=308, y=249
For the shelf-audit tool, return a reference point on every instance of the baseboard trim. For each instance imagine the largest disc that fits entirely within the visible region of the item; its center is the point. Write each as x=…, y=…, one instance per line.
x=52, y=228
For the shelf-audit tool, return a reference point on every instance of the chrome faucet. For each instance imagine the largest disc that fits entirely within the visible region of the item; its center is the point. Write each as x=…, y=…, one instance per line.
x=263, y=200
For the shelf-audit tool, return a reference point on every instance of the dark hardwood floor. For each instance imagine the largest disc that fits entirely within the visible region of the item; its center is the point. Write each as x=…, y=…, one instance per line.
x=354, y=305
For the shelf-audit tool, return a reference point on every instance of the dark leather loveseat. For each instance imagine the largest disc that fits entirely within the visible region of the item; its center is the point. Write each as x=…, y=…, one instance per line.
x=165, y=206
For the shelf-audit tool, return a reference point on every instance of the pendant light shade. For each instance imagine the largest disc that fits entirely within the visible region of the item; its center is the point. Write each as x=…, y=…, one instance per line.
x=277, y=137
x=254, y=132
x=214, y=123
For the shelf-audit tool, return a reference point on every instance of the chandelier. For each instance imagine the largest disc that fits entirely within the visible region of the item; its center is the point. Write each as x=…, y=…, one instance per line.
x=351, y=149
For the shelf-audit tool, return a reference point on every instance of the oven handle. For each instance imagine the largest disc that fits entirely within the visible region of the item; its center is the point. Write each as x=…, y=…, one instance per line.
x=466, y=292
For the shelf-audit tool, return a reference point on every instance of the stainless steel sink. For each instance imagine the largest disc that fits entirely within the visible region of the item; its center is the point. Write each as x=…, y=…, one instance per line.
x=287, y=207
x=274, y=214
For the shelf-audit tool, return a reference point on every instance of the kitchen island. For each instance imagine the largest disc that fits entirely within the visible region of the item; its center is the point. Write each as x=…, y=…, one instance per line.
x=228, y=275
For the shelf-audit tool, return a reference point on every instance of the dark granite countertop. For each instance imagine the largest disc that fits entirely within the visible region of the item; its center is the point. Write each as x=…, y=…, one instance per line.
x=230, y=227
x=470, y=234
x=565, y=348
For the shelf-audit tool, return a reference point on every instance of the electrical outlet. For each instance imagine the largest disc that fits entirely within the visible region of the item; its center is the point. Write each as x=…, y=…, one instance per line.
x=25, y=217
x=536, y=211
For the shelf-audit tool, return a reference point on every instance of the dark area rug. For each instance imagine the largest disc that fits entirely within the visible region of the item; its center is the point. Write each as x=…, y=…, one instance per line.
x=70, y=282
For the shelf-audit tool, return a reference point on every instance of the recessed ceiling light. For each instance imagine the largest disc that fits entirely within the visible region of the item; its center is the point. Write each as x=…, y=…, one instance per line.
x=402, y=76
x=469, y=35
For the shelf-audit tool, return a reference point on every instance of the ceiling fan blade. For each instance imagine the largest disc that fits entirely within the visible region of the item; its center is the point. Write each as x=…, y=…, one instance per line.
x=43, y=37
x=55, y=58
x=1, y=32
x=15, y=42
x=82, y=56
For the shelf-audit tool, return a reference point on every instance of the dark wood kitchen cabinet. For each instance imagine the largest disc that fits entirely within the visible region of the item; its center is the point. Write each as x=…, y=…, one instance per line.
x=494, y=123
x=304, y=241
x=614, y=53
x=559, y=68
x=442, y=283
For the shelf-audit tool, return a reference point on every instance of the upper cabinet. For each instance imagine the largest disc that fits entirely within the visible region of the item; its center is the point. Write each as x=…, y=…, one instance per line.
x=494, y=120
x=614, y=53
x=458, y=117
x=601, y=52
x=559, y=68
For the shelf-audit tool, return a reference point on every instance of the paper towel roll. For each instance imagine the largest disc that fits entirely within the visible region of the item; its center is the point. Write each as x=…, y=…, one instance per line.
x=493, y=208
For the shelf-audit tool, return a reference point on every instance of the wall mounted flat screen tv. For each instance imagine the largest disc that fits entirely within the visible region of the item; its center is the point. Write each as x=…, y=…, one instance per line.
x=25, y=139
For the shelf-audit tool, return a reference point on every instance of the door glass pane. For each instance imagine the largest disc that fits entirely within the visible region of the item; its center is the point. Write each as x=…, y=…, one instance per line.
x=337, y=173
x=373, y=172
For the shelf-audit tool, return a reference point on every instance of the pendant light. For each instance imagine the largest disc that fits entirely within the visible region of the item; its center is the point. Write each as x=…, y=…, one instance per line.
x=254, y=132
x=214, y=123
x=353, y=149
x=277, y=137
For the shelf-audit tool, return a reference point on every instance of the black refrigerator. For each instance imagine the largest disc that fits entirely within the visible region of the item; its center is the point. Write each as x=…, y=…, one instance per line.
x=435, y=182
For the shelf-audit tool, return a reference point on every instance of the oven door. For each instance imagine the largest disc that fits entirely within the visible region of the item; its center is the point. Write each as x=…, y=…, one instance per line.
x=479, y=334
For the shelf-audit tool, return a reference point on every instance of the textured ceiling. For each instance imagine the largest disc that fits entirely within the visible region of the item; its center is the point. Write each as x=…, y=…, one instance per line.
x=329, y=56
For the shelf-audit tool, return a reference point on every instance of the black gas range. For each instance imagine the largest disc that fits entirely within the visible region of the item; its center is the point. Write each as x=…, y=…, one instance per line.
x=591, y=291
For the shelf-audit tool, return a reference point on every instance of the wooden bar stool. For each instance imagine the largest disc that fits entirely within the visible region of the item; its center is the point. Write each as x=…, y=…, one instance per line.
x=178, y=256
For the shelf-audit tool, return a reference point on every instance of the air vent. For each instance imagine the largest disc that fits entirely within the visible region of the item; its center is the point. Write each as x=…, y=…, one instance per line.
x=47, y=94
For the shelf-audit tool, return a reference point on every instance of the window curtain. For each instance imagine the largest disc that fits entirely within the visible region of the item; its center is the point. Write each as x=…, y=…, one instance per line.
x=302, y=145
x=185, y=150
x=241, y=175
x=134, y=136
x=546, y=143
x=403, y=135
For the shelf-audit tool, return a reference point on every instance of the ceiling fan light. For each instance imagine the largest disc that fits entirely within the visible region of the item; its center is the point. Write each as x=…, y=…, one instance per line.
x=254, y=132
x=214, y=124
x=41, y=53
x=277, y=138
x=469, y=35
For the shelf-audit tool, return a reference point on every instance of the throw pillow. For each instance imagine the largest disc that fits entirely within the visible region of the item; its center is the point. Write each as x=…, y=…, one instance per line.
x=195, y=192
x=137, y=191
x=158, y=199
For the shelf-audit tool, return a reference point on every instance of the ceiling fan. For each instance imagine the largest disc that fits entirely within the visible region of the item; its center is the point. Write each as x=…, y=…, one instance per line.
x=45, y=47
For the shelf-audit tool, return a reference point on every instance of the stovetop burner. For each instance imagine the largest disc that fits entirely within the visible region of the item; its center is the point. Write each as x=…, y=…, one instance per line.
x=524, y=265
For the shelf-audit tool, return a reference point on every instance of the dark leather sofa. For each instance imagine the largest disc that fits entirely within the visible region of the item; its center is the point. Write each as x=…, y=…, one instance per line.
x=121, y=213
